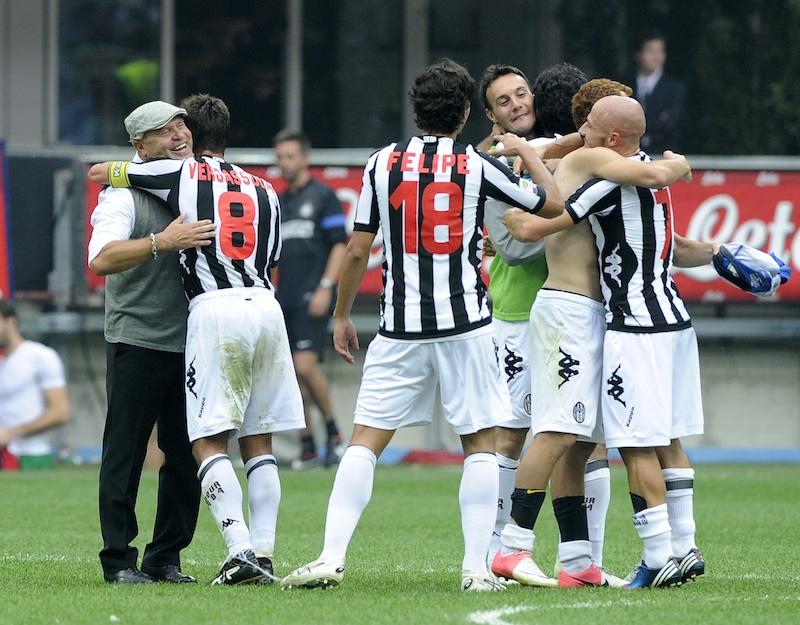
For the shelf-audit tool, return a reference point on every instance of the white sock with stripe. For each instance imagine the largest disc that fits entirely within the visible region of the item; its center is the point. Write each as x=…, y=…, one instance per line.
x=351, y=493
x=223, y=495
x=680, y=503
x=264, y=498
x=477, y=497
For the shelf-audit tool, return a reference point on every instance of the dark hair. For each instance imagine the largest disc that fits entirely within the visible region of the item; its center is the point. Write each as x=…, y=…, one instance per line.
x=287, y=134
x=7, y=309
x=209, y=120
x=440, y=96
x=649, y=36
x=590, y=92
x=552, y=98
x=492, y=73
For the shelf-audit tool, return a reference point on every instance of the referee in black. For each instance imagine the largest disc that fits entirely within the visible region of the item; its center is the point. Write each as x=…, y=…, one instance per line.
x=314, y=238
x=135, y=242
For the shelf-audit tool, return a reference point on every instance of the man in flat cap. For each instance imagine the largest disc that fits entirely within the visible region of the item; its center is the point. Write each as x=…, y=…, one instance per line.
x=135, y=242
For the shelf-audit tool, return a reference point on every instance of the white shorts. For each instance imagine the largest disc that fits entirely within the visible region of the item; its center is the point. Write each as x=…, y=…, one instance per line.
x=239, y=371
x=566, y=359
x=513, y=341
x=651, y=388
x=398, y=386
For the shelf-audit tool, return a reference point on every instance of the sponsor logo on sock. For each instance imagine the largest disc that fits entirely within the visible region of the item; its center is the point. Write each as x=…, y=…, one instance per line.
x=212, y=491
x=228, y=523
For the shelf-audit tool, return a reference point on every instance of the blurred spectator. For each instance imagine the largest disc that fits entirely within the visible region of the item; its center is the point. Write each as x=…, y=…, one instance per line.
x=312, y=227
x=660, y=95
x=33, y=397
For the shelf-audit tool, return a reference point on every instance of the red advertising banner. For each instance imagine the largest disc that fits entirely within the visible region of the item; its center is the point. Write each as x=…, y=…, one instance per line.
x=5, y=240
x=759, y=208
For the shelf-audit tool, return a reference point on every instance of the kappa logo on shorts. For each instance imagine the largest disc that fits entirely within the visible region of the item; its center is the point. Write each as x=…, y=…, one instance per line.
x=527, y=404
x=567, y=367
x=496, y=352
x=191, y=382
x=512, y=361
x=614, y=265
x=615, y=386
x=579, y=412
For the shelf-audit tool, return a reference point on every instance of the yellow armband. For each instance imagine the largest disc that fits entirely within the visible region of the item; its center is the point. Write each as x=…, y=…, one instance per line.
x=118, y=174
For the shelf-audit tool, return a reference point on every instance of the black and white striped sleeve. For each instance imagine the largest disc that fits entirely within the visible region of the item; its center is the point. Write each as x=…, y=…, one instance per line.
x=158, y=177
x=595, y=197
x=367, y=217
x=500, y=183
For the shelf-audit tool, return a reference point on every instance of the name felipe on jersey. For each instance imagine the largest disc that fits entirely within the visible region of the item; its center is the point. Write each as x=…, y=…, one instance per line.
x=204, y=172
x=414, y=162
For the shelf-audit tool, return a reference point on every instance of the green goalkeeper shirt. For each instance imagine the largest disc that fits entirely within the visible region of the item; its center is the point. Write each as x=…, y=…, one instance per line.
x=513, y=289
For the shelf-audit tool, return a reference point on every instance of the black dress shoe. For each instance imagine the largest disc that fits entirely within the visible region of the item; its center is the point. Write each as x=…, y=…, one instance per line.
x=168, y=573
x=128, y=576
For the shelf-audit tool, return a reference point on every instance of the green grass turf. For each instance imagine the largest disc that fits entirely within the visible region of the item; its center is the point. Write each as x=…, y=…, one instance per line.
x=403, y=564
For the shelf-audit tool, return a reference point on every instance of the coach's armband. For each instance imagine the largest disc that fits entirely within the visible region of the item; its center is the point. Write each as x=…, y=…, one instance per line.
x=118, y=174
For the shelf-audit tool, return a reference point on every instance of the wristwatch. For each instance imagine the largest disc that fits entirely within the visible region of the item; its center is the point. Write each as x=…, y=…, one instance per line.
x=327, y=284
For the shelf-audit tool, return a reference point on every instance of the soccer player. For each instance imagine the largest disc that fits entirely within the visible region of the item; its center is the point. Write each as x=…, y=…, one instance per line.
x=239, y=373
x=427, y=194
x=649, y=336
x=33, y=396
x=313, y=235
x=513, y=286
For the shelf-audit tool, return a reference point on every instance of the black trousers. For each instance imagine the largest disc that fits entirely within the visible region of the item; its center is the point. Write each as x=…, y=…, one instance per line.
x=145, y=387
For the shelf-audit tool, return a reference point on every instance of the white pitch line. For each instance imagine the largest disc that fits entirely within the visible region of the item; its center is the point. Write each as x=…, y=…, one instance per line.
x=498, y=616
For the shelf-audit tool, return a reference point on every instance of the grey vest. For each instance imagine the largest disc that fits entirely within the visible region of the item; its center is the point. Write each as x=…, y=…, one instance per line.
x=146, y=305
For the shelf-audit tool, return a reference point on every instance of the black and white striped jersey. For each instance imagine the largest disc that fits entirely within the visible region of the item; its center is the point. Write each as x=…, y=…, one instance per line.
x=633, y=230
x=244, y=207
x=428, y=196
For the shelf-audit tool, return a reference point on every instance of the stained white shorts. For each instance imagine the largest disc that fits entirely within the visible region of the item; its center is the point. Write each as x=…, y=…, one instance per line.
x=651, y=388
x=239, y=370
x=566, y=360
x=400, y=379
x=514, y=345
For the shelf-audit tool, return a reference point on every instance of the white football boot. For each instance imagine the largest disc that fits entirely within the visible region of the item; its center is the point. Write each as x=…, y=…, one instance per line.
x=316, y=574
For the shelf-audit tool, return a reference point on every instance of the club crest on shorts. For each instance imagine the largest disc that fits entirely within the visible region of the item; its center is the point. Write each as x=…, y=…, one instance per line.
x=526, y=403
x=579, y=412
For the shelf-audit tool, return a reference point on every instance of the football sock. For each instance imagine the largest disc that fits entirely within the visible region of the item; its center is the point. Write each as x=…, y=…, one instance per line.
x=223, y=495
x=680, y=504
x=307, y=444
x=263, y=497
x=574, y=550
x=652, y=525
x=330, y=426
x=351, y=492
x=597, y=490
x=525, y=506
x=516, y=538
x=477, y=497
x=508, y=473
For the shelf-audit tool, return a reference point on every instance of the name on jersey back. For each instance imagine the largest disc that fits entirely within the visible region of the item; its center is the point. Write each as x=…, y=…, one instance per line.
x=204, y=172
x=414, y=162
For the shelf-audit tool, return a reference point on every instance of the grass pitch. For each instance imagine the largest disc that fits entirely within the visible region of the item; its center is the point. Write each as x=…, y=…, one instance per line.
x=403, y=564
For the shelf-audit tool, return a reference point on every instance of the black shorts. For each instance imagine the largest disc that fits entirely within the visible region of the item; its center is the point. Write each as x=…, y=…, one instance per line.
x=307, y=333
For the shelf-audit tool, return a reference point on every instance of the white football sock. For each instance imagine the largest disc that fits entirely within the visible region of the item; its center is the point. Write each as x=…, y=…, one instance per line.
x=516, y=538
x=652, y=525
x=223, y=495
x=597, y=485
x=680, y=503
x=575, y=556
x=351, y=492
x=264, y=498
x=477, y=497
x=508, y=474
